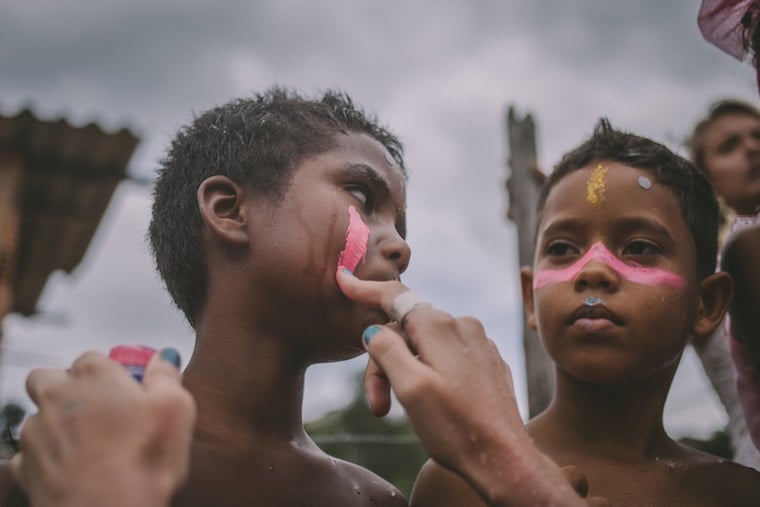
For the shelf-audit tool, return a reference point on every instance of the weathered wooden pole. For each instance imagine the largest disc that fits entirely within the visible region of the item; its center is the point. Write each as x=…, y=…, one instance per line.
x=523, y=185
x=10, y=219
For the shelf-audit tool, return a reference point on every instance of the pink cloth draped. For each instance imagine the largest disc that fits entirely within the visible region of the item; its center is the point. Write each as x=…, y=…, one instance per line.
x=720, y=22
x=727, y=24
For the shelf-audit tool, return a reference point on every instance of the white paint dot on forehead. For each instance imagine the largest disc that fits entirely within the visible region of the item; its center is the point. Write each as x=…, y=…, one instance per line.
x=389, y=159
x=645, y=182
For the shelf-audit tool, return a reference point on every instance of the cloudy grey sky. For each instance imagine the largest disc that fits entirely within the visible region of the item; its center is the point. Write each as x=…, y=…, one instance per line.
x=441, y=73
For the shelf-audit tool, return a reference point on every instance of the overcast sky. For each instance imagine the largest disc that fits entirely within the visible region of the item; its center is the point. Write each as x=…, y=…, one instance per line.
x=441, y=73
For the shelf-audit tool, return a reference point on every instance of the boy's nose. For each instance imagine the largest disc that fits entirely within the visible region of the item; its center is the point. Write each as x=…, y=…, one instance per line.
x=395, y=248
x=596, y=275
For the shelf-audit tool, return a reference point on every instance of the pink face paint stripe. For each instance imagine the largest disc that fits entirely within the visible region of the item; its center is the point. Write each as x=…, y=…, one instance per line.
x=598, y=252
x=356, y=241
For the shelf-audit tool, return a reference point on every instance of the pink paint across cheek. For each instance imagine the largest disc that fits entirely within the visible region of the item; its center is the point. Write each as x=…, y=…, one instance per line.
x=598, y=252
x=356, y=241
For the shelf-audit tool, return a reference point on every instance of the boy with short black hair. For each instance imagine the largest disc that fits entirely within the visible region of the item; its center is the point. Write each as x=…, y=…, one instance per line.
x=623, y=277
x=251, y=213
x=253, y=207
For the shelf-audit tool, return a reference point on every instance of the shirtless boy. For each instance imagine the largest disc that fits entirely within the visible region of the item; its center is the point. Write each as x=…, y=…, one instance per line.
x=623, y=277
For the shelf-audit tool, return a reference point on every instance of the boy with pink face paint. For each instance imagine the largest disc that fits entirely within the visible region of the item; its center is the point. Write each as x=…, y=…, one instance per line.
x=256, y=204
x=623, y=277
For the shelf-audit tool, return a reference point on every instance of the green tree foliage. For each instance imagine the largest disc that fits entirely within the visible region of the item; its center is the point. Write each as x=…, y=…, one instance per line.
x=387, y=446
x=11, y=416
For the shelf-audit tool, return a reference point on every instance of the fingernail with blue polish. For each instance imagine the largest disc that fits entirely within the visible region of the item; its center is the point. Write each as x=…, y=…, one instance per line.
x=171, y=355
x=370, y=332
x=347, y=271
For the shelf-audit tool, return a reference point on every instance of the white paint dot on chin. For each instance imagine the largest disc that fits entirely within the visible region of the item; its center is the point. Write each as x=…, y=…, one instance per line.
x=645, y=182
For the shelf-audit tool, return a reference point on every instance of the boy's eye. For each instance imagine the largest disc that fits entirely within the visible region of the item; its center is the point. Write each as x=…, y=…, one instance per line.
x=558, y=249
x=641, y=248
x=363, y=195
x=728, y=145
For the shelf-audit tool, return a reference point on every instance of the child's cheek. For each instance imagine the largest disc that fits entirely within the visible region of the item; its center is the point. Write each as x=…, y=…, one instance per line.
x=356, y=241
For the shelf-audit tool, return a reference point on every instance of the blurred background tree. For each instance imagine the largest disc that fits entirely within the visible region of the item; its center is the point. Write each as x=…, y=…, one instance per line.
x=11, y=416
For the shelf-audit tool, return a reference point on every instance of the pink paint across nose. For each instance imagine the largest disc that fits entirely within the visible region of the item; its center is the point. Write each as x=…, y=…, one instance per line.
x=598, y=252
x=356, y=241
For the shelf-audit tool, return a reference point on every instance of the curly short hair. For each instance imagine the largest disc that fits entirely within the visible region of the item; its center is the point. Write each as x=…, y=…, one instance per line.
x=691, y=188
x=256, y=142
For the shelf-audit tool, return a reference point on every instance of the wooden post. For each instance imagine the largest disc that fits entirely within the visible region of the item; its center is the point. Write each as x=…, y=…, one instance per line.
x=10, y=189
x=523, y=185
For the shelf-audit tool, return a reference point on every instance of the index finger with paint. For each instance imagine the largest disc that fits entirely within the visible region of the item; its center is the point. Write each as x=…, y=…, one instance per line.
x=368, y=292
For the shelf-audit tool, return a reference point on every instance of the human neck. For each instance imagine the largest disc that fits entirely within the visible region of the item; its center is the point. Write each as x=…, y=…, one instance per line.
x=622, y=422
x=247, y=385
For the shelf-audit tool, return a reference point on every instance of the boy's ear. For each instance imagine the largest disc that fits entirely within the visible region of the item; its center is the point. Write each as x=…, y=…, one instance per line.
x=221, y=204
x=715, y=294
x=526, y=282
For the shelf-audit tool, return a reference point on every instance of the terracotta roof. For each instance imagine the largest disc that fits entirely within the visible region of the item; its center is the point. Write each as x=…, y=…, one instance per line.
x=70, y=174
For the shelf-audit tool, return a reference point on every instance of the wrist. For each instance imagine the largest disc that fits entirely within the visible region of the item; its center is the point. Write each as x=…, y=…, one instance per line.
x=508, y=469
x=120, y=490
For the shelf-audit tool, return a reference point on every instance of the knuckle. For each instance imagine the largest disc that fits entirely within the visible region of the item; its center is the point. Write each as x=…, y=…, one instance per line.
x=88, y=363
x=418, y=390
x=472, y=324
x=429, y=319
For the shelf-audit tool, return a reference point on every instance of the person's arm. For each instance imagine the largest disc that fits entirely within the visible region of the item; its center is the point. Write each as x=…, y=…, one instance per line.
x=741, y=259
x=101, y=438
x=459, y=398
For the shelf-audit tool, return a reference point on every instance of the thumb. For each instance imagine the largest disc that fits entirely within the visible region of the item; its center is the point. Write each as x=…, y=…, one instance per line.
x=16, y=469
x=390, y=352
x=377, y=389
x=162, y=368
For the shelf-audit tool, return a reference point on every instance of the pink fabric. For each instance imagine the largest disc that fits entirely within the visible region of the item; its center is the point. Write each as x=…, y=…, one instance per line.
x=720, y=22
x=727, y=24
x=748, y=388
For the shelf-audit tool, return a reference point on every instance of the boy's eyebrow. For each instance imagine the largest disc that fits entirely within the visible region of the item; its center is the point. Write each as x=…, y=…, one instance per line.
x=643, y=223
x=623, y=224
x=563, y=225
x=368, y=172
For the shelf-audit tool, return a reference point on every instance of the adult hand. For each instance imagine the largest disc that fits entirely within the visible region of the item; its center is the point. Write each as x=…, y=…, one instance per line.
x=459, y=398
x=101, y=438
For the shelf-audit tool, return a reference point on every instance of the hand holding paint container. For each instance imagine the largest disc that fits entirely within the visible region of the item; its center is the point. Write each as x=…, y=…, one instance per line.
x=133, y=357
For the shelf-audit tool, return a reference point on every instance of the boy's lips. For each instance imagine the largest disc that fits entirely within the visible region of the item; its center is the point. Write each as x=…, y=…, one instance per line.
x=600, y=313
x=594, y=325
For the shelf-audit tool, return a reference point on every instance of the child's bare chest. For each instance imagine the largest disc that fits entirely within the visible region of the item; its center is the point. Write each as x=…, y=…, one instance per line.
x=660, y=483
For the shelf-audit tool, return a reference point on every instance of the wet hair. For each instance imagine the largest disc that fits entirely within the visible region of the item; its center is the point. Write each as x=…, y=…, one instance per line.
x=717, y=110
x=256, y=142
x=693, y=192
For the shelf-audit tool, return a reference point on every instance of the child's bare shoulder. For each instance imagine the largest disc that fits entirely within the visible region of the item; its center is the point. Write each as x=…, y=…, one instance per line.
x=277, y=476
x=718, y=481
x=366, y=487
x=439, y=487
x=732, y=484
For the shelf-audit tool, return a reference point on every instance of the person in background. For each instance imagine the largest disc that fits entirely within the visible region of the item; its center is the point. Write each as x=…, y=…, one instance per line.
x=725, y=145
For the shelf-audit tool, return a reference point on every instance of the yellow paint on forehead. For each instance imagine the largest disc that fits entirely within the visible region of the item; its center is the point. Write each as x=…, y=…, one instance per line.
x=596, y=185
